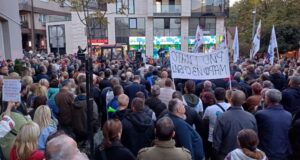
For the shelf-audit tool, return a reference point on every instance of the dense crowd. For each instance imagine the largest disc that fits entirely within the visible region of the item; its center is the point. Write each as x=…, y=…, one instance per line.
x=139, y=112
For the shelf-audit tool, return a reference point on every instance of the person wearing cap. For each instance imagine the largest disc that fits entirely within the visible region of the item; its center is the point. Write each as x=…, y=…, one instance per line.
x=291, y=95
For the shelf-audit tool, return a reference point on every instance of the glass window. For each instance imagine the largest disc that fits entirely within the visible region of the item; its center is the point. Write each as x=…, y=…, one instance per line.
x=208, y=24
x=119, y=5
x=131, y=7
x=167, y=26
x=193, y=23
x=132, y=23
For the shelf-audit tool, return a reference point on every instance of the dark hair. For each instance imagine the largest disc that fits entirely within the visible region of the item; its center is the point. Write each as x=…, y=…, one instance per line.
x=248, y=139
x=138, y=104
x=220, y=94
x=54, y=83
x=39, y=100
x=177, y=94
x=140, y=95
x=164, y=129
x=107, y=73
x=117, y=90
x=190, y=86
x=111, y=129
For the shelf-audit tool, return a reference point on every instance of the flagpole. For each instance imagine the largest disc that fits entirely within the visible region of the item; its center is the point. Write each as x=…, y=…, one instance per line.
x=277, y=54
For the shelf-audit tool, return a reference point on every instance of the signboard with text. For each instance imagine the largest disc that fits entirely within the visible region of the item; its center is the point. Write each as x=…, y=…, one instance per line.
x=200, y=66
x=11, y=90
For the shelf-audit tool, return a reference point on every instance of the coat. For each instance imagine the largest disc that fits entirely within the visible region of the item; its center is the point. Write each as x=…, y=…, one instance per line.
x=138, y=131
x=294, y=133
x=164, y=150
x=291, y=99
x=156, y=105
x=278, y=80
x=227, y=127
x=64, y=101
x=116, y=152
x=132, y=89
x=238, y=154
x=187, y=137
x=273, y=127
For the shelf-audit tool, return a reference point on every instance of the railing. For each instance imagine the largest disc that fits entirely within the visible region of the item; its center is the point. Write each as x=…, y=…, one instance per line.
x=166, y=9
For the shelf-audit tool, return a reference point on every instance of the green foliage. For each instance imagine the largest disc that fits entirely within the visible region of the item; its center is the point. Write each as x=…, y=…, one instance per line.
x=284, y=14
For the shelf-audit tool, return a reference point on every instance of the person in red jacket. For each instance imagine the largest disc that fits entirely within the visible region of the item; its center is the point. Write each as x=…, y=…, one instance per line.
x=26, y=144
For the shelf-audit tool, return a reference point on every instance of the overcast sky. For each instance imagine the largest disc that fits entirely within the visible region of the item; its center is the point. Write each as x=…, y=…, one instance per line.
x=232, y=2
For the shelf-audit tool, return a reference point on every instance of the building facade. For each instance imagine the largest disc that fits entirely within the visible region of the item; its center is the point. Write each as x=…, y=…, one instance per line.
x=151, y=25
x=10, y=30
x=44, y=11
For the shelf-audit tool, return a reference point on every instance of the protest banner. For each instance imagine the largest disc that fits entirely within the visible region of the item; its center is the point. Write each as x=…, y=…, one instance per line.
x=200, y=66
x=11, y=90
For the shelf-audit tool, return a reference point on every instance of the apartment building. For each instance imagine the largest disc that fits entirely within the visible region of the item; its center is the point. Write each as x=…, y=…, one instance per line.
x=44, y=11
x=10, y=30
x=151, y=25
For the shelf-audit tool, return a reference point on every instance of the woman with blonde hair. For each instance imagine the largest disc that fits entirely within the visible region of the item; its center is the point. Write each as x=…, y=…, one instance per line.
x=25, y=147
x=44, y=82
x=41, y=91
x=48, y=126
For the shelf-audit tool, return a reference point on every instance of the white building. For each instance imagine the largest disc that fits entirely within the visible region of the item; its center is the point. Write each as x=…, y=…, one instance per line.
x=10, y=30
x=154, y=24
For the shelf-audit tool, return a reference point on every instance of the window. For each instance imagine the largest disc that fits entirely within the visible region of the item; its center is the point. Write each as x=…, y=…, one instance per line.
x=131, y=7
x=23, y=18
x=42, y=18
x=119, y=5
x=132, y=23
x=209, y=24
x=44, y=0
x=167, y=26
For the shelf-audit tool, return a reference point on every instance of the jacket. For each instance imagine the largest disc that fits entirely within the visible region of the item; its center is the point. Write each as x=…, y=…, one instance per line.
x=291, y=99
x=36, y=155
x=164, y=150
x=166, y=95
x=116, y=152
x=8, y=140
x=138, y=131
x=80, y=117
x=64, y=101
x=273, y=127
x=227, y=127
x=294, y=133
x=193, y=101
x=238, y=154
x=52, y=92
x=187, y=137
x=132, y=89
x=278, y=80
x=45, y=133
x=156, y=105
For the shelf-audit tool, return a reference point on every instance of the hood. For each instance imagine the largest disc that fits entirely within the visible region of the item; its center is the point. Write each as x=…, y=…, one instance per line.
x=191, y=100
x=80, y=101
x=238, y=154
x=140, y=120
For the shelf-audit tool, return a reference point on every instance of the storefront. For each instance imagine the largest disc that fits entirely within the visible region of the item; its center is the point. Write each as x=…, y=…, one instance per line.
x=166, y=43
x=137, y=43
x=209, y=42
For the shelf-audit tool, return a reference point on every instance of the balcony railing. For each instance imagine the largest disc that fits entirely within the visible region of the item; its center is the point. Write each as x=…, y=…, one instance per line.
x=166, y=9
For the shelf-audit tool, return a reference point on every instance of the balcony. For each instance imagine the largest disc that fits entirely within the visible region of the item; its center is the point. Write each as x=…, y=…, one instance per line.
x=24, y=24
x=167, y=10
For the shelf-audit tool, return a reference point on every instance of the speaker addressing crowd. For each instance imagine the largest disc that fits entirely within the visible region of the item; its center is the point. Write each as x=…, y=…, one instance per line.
x=142, y=112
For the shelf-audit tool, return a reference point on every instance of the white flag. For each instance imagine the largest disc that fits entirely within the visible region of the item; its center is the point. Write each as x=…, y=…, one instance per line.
x=272, y=46
x=198, y=39
x=256, y=40
x=235, y=46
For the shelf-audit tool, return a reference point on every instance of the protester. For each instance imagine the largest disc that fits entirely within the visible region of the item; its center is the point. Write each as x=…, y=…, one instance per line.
x=164, y=146
x=26, y=144
x=230, y=123
x=185, y=135
x=6, y=123
x=154, y=103
x=48, y=126
x=190, y=99
x=253, y=101
x=112, y=106
x=294, y=133
x=166, y=92
x=112, y=148
x=291, y=95
x=123, y=110
x=138, y=127
x=247, y=140
x=273, y=126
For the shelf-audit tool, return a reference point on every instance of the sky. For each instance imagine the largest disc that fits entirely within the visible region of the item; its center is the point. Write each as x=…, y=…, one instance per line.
x=233, y=1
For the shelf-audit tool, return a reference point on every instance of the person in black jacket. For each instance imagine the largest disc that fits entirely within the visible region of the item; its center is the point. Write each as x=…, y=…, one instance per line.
x=138, y=128
x=294, y=133
x=154, y=102
x=112, y=148
x=291, y=96
x=135, y=87
x=277, y=78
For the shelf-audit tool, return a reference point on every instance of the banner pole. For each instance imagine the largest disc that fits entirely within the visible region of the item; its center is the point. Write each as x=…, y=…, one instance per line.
x=230, y=85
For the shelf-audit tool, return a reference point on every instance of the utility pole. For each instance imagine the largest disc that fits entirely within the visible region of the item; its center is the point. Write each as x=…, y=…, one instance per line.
x=32, y=28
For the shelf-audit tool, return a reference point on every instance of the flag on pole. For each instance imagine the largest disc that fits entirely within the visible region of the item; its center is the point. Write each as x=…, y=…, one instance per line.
x=272, y=45
x=198, y=39
x=256, y=40
x=235, y=46
x=223, y=43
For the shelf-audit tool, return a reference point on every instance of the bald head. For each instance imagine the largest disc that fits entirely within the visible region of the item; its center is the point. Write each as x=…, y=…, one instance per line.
x=238, y=98
x=62, y=147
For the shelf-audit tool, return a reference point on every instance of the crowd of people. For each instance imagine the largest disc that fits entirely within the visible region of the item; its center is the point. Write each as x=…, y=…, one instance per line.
x=141, y=113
